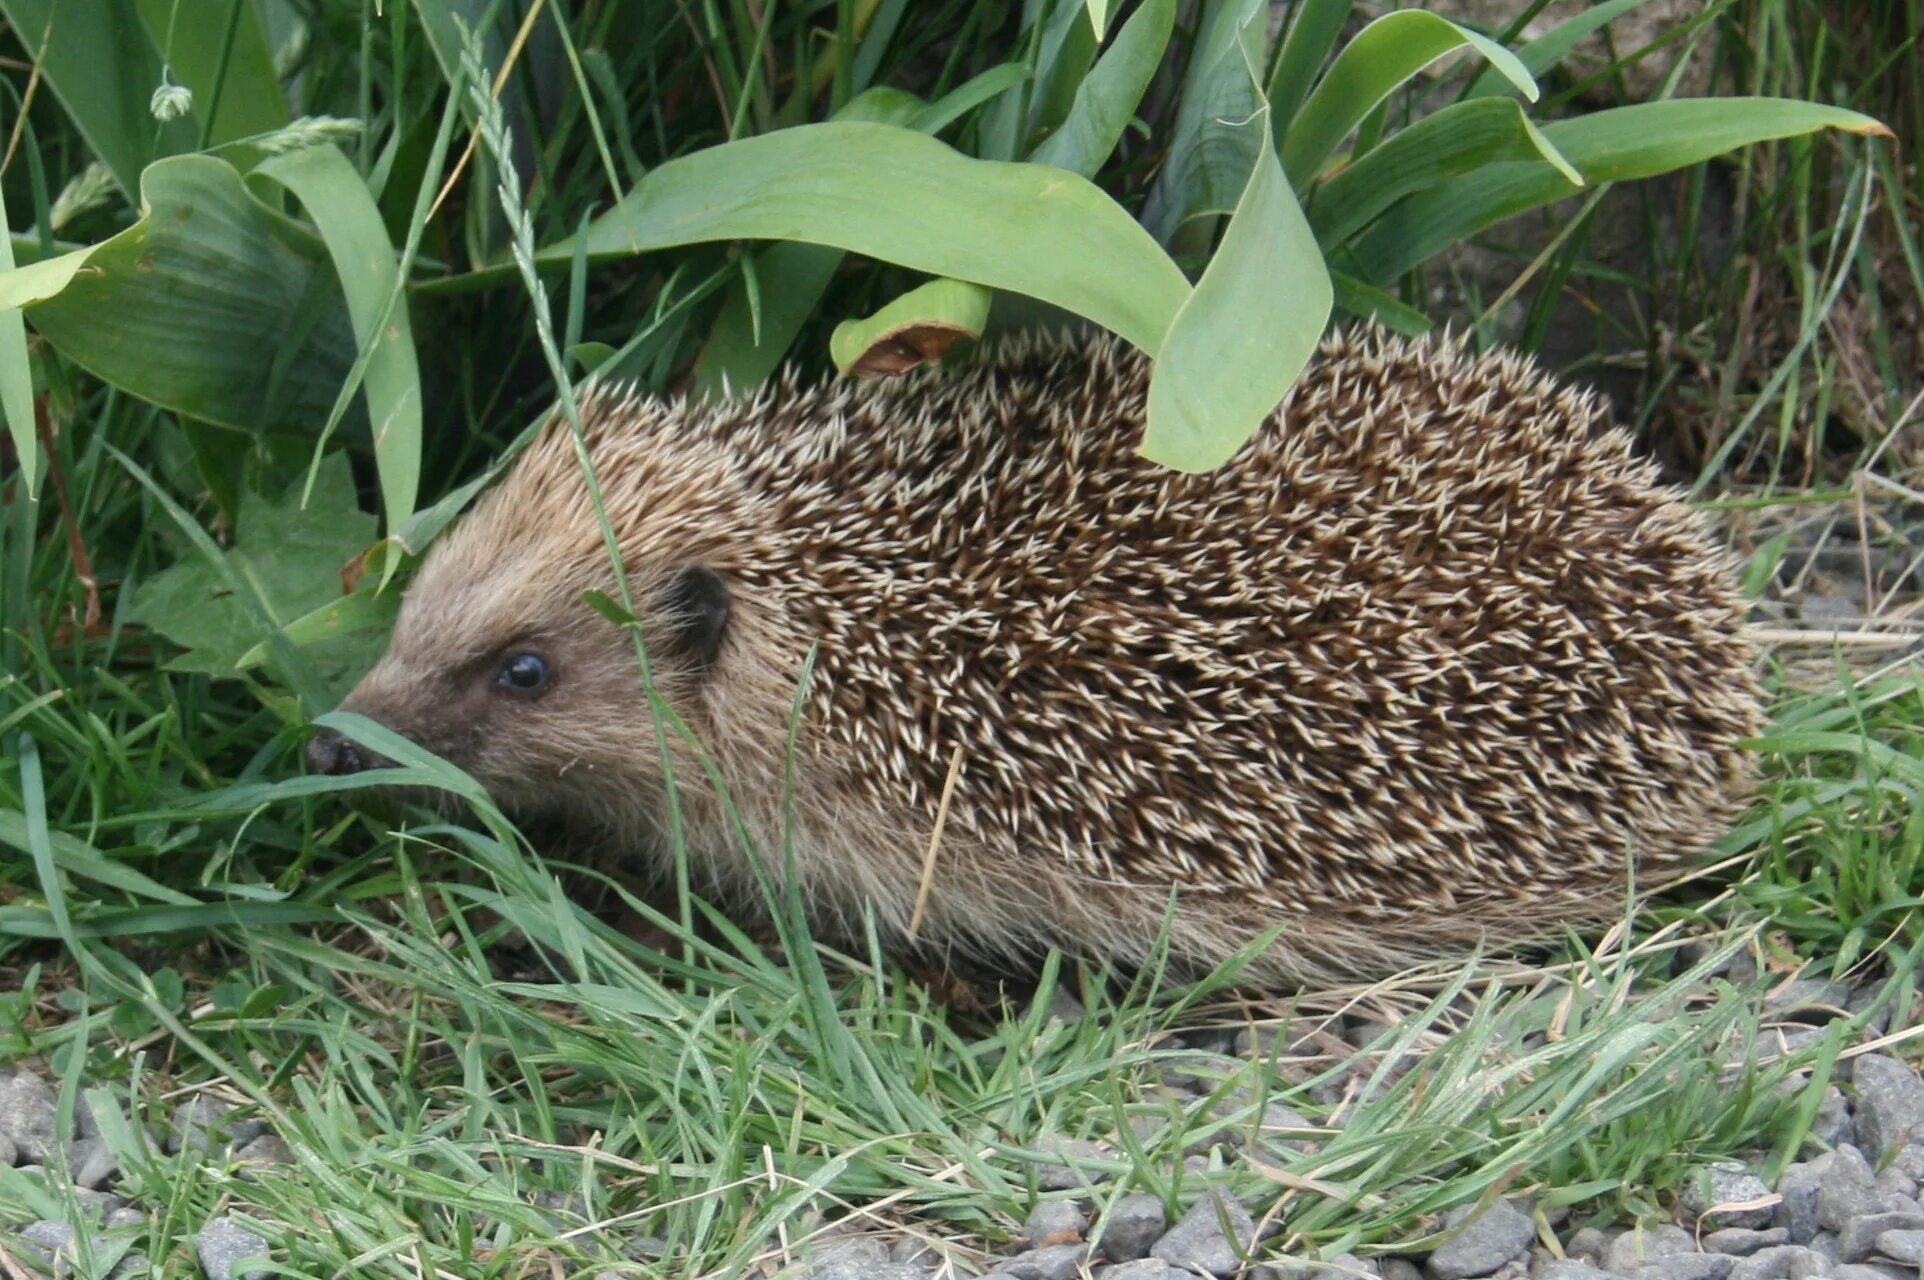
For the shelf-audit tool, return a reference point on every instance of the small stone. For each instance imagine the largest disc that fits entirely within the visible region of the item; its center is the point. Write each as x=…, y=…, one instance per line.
x=124, y=1217
x=868, y=1271
x=1635, y=1247
x=1786, y=1262
x=1797, y=1193
x=1744, y=1241
x=1832, y=1125
x=1890, y=1105
x=1400, y=1269
x=1872, y=1271
x=8, y=1152
x=266, y=1149
x=1198, y=1242
x=1054, y=1222
x=1135, y=1224
x=1073, y=1165
x=1482, y=1243
x=850, y=1251
x=1056, y=1262
x=1137, y=1269
x=1285, y=1131
x=1848, y=1189
x=1809, y=1000
x=1710, y=1197
x=1200, y=1072
x=1825, y=1242
x=201, y=1123
x=223, y=1245
x=46, y=1239
x=1571, y=1269
x=1859, y=1240
x=1345, y=1266
x=27, y=1113
x=91, y=1162
x=1895, y=1184
x=132, y=1264
x=1588, y=1243
x=1902, y=1245
x=1686, y=1266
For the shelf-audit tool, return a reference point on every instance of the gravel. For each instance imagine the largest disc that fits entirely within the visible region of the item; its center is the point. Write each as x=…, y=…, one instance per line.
x=223, y=1245
x=1890, y=1105
x=1849, y=1211
x=1482, y=1243
x=1198, y=1242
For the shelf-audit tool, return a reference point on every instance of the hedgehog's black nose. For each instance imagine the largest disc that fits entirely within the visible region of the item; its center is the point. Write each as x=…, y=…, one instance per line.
x=331, y=753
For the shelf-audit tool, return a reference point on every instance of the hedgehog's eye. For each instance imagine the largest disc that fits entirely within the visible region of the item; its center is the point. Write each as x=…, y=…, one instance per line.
x=524, y=673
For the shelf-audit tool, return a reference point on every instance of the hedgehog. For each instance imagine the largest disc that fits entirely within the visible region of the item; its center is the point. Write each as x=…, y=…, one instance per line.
x=1434, y=660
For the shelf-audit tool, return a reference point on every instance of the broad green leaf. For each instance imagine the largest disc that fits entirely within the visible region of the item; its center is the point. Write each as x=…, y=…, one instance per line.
x=1382, y=56
x=359, y=611
x=212, y=305
x=1458, y=139
x=100, y=63
x=23, y=286
x=1606, y=146
x=914, y=329
x=1313, y=28
x=343, y=209
x=748, y=342
x=964, y=98
x=1550, y=48
x=16, y=373
x=1107, y=98
x=897, y=195
x=1099, y=17
x=289, y=557
x=1368, y=302
x=1246, y=332
x=1210, y=153
x=231, y=75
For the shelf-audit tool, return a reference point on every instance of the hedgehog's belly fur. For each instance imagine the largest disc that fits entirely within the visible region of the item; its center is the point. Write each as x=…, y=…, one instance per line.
x=1433, y=657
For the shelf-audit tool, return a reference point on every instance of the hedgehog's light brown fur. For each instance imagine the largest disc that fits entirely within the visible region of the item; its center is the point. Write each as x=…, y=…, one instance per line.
x=1430, y=660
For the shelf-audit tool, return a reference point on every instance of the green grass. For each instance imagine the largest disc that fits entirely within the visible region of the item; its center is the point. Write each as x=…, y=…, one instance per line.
x=441, y=1029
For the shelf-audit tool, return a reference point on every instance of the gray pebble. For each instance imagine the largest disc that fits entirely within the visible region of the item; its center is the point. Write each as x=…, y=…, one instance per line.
x=201, y=1123
x=1482, y=1243
x=1135, y=1224
x=1909, y=1161
x=1345, y=1266
x=1797, y=1193
x=1074, y=1165
x=869, y=1271
x=1744, y=1241
x=1588, y=1243
x=27, y=1112
x=1281, y=1130
x=1056, y=1262
x=1636, y=1247
x=124, y=1217
x=1400, y=1269
x=1198, y=1243
x=1137, y=1269
x=46, y=1239
x=1859, y=1240
x=1832, y=1125
x=1571, y=1269
x=1902, y=1245
x=1723, y=1184
x=91, y=1162
x=1890, y=1105
x=1848, y=1190
x=1786, y=1262
x=1200, y=1072
x=223, y=1244
x=9, y=1154
x=133, y=1263
x=1686, y=1266
x=1895, y=1184
x=1872, y=1271
x=1825, y=1242
x=860, y=1251
x=1054, y=1222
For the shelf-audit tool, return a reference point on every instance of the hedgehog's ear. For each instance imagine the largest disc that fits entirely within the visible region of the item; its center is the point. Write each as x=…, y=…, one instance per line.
x=696, y=602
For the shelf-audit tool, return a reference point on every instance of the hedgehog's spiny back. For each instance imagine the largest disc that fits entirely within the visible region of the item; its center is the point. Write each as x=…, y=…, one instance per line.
x=1434, y=636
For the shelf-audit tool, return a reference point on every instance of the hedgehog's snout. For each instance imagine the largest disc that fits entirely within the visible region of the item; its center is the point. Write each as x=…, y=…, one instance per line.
x=336, y=755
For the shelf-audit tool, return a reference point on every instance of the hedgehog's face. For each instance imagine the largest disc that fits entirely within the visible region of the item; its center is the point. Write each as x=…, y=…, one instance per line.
x=504, y=670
